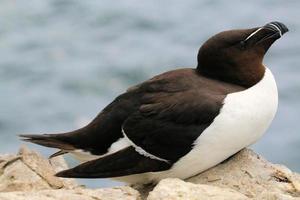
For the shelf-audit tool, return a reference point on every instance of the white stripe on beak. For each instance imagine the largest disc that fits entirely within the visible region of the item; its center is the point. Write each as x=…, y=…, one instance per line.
x=252, y=34
x=276, y=28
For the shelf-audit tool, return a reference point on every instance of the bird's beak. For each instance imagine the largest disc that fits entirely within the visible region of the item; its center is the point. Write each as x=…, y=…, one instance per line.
x=266, y=34
x=277, y=29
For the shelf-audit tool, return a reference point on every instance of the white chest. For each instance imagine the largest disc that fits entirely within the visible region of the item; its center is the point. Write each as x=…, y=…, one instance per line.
x=243, y=119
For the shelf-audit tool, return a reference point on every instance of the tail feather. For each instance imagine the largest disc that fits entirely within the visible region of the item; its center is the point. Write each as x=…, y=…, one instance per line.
x=48, y=140
x=122, y=163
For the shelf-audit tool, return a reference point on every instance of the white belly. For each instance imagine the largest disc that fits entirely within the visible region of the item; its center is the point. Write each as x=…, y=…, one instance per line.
x=243, y=119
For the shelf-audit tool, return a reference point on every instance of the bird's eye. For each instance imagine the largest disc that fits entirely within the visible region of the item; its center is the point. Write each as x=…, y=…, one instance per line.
x=243, y=44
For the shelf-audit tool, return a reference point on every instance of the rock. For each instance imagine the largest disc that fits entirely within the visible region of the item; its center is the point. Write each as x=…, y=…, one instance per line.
x=246, y=173
x=28, y=175
x=176, y=189
x=124, y=193
x=29, y=171
x=244, y=176
x=253, y=176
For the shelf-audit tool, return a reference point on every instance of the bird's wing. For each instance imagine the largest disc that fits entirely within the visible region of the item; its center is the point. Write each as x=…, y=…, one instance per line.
x=167, y=123
x=97, y=137
x=175, y=108
x=162, y=117
x=121, y=163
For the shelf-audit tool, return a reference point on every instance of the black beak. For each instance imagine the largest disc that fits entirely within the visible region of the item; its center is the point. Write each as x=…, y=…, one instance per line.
x=269, y=33
x=265, y=36
x=276, y=27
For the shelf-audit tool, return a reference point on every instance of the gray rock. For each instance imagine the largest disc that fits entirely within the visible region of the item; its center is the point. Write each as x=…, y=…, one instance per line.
x=176, y=189
x=30, y=171
x=124, y=193
x=246, y=175
x=28, y=175
x=253, y=176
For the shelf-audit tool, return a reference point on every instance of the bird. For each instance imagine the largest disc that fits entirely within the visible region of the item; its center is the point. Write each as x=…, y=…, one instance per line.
x=181, y=122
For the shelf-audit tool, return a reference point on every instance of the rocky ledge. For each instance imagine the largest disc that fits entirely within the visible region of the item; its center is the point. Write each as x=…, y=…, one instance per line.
x=246, y=175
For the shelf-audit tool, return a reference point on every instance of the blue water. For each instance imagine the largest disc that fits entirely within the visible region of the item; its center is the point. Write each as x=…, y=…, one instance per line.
x=62, y=61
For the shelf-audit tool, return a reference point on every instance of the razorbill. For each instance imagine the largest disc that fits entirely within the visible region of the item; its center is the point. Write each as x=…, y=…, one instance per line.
x=181, y=122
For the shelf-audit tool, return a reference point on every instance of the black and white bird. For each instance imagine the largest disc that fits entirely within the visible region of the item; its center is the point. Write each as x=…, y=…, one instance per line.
x=184, y=121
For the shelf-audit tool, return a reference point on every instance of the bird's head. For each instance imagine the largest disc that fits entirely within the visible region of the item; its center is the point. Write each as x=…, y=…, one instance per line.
x=236, y=56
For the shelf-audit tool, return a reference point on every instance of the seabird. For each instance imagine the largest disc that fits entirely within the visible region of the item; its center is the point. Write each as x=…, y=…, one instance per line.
x=182, y=122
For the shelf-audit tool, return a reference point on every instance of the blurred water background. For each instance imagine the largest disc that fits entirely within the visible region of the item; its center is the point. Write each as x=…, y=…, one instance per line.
x=62, y=61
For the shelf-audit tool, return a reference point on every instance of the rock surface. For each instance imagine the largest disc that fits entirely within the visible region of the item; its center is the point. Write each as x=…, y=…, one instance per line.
x=253, y=176
x=244, y=176
x=29, y=176
x=29, y=171
x=176, y=189
x=124, y=193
